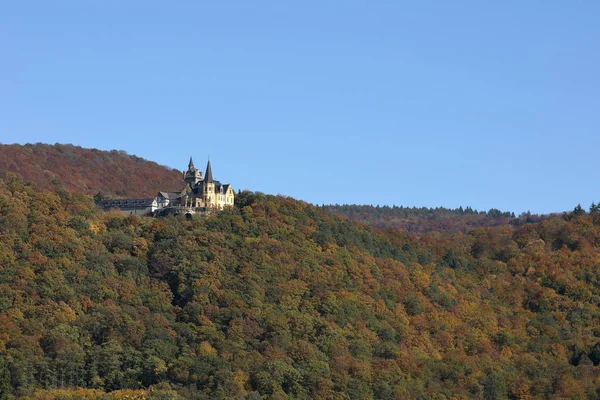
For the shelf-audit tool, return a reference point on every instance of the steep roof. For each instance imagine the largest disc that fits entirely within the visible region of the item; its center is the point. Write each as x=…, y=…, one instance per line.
x=126, y=203
x=208, y=177
x=199, y=187
x=170, y=195
x=191, y=164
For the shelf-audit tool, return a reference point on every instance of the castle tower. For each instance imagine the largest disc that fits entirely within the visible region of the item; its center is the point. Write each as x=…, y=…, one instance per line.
x=192, y=175
x=209, y=187
x=208, y=177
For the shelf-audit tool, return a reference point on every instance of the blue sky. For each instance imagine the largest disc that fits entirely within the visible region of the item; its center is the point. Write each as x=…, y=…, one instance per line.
x=428, y=103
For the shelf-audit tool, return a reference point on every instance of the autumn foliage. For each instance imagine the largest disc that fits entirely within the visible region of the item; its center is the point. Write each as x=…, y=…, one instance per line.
x=279, y=299
x=89, y=171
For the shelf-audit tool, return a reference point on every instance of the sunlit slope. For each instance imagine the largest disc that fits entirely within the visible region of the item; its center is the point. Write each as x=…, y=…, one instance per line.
x=90, y=171
x=280, y=299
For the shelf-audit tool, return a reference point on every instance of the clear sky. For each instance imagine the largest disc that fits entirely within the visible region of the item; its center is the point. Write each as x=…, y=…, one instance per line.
x=421, y=103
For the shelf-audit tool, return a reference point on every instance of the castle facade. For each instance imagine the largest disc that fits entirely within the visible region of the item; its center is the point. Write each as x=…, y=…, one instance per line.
x=205, y=191
x=201, y=193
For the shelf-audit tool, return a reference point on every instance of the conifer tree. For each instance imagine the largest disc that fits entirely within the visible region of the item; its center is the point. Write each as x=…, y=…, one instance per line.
x=577, y=211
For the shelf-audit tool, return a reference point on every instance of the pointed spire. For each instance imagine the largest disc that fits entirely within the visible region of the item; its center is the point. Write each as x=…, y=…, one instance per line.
x=191, y=164
x=208, y=176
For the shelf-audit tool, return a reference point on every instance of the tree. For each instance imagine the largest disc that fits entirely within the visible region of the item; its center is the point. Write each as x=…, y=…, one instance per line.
x=494, y=387
x=98, y=197
x=577, y=211
x=4, y=380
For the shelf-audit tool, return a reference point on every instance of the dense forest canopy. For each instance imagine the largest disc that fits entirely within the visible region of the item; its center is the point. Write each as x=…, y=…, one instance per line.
x=279, y=299
x=111, y=173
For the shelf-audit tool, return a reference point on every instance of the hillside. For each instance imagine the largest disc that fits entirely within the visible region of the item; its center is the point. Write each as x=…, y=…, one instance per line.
x=278, y=299
x=112, y=173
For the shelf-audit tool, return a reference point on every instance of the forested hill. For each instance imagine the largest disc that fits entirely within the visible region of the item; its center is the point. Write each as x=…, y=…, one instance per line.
x=278, y=299
x=90, y=171
x=423, y=219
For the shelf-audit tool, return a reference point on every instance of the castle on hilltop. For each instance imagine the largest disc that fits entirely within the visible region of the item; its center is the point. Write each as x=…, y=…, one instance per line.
x=201, y=193
x=205, y=192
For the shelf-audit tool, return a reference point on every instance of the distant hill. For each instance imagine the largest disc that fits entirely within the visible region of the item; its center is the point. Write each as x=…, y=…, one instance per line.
x=112, y=173
x=422, y=219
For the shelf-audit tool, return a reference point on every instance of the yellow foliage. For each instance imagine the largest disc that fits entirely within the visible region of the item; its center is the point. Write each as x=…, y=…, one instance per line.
x=160, y=367
x=242, y=379
x=420, y=279
x=15, y=314
x=87, y=394
x=95, y=227
x=140, y=247
x=506, y=352
x=66, y=313
x=205, y=349
x=251, y=240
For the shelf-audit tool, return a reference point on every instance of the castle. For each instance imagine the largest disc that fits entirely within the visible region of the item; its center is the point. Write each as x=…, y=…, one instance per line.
x=205, y=192
x=200, y=194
